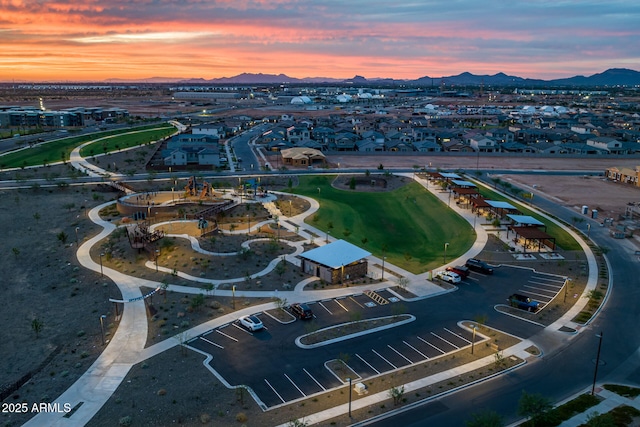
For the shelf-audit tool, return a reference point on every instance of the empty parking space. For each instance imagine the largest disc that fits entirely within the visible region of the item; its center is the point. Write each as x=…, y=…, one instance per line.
x=542, y=287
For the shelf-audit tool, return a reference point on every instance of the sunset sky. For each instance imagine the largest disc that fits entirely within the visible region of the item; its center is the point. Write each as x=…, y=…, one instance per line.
x=89, y=40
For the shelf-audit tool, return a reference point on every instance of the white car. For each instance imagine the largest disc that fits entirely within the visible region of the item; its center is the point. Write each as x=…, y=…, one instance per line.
x=449, y=276
x=252, y=323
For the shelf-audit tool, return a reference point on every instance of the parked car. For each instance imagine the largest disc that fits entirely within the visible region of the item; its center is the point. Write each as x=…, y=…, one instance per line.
x=252, y=323
x=479, y=266
x=523, y=302
x=302, y=311
x=460, y=270
x=449, y=276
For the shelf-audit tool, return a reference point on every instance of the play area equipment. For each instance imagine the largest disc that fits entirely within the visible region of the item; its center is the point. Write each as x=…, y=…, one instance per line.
x=141, y=237
x=191, y=189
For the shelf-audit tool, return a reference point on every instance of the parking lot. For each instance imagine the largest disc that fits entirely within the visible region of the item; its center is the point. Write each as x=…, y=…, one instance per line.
x=279, y=372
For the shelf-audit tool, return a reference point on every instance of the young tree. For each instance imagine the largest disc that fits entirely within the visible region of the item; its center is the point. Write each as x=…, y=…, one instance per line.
x=396, y=393
x=36, y=326
x=536, y=407
x=485, y=419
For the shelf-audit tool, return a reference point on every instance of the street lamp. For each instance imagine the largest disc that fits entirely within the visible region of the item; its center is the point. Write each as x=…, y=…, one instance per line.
x=101, y=272
x=349, y=379
x=327, y=237
x=102, y=327
x=289, y=208
x=248, y=224
x=233, y=296
x=595, y=373
x=473, y=338
x=77, y=228
x=157, y=256
x=383, y=258
x=588, y=230
x=446, y=245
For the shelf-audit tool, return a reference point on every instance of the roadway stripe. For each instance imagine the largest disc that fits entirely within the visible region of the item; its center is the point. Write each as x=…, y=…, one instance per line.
x=437, y=348
x=274, y=390
x=367, y=363
x=381, y=357
x=400, y=354
x=211, y=342
x=456, y=335
x=416, y=350
x=361, y=306
x=228, y=336
x=316, y=381
x=448, y=342
x=294, y=384
x=323, y=306
x=338, y=302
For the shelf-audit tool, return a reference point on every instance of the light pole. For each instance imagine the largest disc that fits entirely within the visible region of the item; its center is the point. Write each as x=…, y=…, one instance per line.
x=446, y=245
x=383, y=258
x=248, y=224
x=289, y=208
x=473, y=338
x=157, y=256
x=588, y=230
x=102, y=327
x=101, y=255
x=77, y=228
x=349, y=379
x=595, y=373
x=233, y=296
x=566, y=287
x=327, y=237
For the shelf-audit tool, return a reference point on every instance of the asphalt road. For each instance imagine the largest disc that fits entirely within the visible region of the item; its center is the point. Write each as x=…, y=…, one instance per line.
x=568, y=365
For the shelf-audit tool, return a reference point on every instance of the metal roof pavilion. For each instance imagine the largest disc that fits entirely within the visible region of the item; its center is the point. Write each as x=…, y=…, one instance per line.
x=501, y=205
x=450, y=175
x=525, y=220
x=336, y=254
x=463, y=183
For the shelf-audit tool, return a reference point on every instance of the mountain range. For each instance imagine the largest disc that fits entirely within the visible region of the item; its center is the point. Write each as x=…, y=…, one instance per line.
x=609, y=78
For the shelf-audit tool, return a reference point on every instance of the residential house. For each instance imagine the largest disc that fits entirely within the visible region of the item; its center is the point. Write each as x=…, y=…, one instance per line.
x=613, y=146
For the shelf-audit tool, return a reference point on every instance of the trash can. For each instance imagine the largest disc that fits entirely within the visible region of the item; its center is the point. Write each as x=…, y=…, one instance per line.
x=585, y=210
x=594, y=213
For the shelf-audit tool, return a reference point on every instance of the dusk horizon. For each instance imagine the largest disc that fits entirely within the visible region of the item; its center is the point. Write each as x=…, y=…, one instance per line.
x=57, y=41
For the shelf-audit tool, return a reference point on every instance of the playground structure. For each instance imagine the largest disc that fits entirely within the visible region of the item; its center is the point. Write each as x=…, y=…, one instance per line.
x=141, y=237
x=191, y=189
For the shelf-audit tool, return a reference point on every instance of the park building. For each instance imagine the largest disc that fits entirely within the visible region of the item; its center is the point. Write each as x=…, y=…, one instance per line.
x=336, y=263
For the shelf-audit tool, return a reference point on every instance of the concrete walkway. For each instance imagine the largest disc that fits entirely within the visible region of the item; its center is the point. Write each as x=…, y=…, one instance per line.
x=610, y=401
x=126, y=348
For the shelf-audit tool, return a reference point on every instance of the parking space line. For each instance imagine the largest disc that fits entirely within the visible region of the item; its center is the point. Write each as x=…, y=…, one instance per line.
x=274, y=390
x=367, y=363
x=448, y=342
x=549, y=285
x=543, y=287
x=400, y=354
x=242, y=329
x=459, y=336
x=427, y=342
x=294, y=384
x=212, y=343
x=549, y=298
x=416, y=350
x=322, y=305
x=316, y=381
x=228, y=336
x=338, y=302
x=361, y=306
x=381, y=357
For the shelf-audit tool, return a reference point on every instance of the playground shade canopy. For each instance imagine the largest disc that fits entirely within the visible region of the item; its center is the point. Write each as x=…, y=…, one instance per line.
x=524, y=220
x=462, y=183
x=336, y=254
x=505, y=205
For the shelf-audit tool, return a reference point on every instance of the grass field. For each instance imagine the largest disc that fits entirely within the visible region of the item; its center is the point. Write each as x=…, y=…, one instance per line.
x=59, y=150
x=409, y=223
x=563, y=239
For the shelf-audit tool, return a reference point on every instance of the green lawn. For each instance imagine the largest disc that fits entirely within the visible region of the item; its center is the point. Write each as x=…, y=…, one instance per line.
x=118, y=142
x=58, y=150
x=563, y=239
x=410, y=222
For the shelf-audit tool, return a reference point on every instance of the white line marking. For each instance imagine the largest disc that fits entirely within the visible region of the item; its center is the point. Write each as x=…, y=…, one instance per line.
x=328, y=311
x=274, y=390
x=345, y=308
x=242, y=328
x=294, y=384
x=380, y=356
x=228, y=336
x=427, y=342
x=448, y=342
x=400, y=354
x=351, y=298
x=416, y=350
x=316, y=381
x=211, y=342
x=367, y=363
x=548, y=285
x=456, y=335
